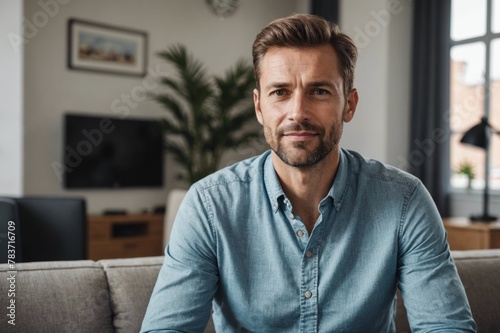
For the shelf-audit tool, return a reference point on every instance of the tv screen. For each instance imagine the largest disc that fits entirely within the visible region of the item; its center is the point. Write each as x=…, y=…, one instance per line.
x=108, y=152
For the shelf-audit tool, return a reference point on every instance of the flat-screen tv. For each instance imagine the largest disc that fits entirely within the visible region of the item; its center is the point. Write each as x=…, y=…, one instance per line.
x=110, y=152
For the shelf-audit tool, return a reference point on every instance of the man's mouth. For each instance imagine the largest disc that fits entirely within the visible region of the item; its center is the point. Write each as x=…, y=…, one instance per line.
x=300, y=135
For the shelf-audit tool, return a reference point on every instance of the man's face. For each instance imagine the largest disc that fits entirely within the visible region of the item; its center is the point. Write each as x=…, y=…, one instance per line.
x=301, y=103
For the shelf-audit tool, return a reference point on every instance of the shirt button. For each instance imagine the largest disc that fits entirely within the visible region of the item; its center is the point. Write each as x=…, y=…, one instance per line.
x=300, y=233
x=308, y=254
x=308, y=294
x=291, y=216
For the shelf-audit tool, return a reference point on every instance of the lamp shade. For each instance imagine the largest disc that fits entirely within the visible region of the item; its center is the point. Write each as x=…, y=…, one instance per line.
x=477, y=135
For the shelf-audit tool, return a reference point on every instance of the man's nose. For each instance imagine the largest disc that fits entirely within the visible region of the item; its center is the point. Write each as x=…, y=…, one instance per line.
x=299, y=109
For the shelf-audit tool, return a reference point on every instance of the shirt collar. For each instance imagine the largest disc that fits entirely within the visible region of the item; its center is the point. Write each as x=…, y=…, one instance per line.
x=273, y=186
x=336, y=192
x=339, y=187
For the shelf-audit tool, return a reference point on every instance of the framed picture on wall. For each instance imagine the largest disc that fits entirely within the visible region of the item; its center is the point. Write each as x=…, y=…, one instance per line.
x=103, y=48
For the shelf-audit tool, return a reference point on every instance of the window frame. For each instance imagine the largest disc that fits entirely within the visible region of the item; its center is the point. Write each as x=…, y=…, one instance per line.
x=487, y=40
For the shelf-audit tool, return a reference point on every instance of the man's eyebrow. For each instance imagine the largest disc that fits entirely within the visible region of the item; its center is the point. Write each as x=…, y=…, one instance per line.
x=276, y=85
x=279, y=85
x=321, y=84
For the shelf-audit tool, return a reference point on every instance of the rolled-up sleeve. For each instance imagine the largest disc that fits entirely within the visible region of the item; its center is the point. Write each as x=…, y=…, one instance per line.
x=182, y=297
x=431, y=288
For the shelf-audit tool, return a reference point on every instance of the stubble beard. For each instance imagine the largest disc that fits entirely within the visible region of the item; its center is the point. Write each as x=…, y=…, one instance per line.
x=312, y=158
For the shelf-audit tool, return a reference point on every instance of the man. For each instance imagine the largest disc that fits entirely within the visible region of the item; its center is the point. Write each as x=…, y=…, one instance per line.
x=307, y=237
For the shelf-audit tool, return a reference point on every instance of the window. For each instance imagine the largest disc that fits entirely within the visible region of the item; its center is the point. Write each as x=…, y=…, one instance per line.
x=474, y=87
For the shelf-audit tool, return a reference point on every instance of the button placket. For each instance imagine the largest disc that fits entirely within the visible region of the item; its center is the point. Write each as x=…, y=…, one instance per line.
x=309, y=284
x=298, y=226
x=310, y=275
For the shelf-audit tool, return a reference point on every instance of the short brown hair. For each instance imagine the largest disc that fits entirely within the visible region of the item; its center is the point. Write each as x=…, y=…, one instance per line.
x=306, y=30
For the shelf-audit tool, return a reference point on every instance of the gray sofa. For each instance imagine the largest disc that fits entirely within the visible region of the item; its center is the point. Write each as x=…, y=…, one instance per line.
x=112, y=295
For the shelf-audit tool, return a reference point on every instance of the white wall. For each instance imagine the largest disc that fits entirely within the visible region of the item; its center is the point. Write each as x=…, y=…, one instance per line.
x=382, y=31
x=11, y=85
x=51, y=89
x=303, y=6
x=47, y=88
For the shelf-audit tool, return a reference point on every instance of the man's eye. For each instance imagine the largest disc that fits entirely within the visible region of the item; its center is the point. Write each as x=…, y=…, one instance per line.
x=278, y=92
x=320, y=92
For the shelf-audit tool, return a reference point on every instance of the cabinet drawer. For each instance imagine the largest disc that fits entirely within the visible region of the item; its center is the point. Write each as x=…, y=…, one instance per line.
x=124, y=236
x=125, y=248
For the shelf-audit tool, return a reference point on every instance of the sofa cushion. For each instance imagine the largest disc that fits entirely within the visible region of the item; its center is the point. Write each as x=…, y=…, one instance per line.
x=131, y=283
x=71, y=296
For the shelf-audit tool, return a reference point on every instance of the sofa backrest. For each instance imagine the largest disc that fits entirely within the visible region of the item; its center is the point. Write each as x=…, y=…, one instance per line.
x=131, y=283
x=62, y=296
x=480, y=274
x=112, y=295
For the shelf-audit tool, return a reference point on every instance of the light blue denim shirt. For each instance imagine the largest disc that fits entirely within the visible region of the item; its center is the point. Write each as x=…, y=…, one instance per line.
x=237, y=247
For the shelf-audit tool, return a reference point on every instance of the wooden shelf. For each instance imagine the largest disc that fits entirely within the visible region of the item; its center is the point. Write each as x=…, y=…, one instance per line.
x=464, y=234
x=124, y=236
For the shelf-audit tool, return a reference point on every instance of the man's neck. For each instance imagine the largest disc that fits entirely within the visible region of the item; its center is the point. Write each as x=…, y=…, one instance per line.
x=306, y=187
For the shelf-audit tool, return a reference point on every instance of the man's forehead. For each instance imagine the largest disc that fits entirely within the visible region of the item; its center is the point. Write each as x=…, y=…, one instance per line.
x=317, y=63
x=326, y=49
x=323, y=55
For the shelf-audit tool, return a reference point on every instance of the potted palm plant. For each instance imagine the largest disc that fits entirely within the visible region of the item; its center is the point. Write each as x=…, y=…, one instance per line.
x=206, y=115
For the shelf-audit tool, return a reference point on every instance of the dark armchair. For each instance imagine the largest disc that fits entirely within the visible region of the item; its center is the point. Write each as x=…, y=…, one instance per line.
x=47, y=228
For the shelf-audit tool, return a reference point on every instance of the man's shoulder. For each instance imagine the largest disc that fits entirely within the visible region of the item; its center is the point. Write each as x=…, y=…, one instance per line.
x=244, y=171
x=377, y=170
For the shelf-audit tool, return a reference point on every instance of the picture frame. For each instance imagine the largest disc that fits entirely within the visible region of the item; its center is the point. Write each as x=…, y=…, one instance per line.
x=104, y=48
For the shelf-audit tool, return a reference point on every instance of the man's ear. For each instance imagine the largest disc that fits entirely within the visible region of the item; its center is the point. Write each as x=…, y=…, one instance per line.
x=351, y=104
x=256, y=103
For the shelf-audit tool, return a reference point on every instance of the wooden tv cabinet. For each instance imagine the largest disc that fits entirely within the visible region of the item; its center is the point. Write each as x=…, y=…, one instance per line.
x=124, y=236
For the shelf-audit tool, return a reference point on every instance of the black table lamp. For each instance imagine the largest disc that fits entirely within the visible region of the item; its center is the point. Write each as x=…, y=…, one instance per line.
x=479, y=136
